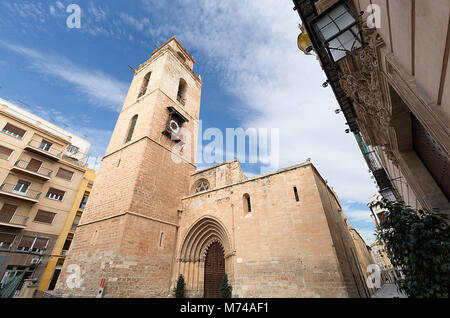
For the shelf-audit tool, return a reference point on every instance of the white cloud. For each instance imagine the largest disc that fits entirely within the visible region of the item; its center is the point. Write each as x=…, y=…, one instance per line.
x=359, y=216
x=138, y=24
x=99, y=88
x=367, y=235
x=252, y=45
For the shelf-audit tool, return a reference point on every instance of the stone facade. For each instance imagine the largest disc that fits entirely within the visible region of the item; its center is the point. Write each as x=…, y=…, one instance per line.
x=152, y=217
x=281, y=248
x=399, y=86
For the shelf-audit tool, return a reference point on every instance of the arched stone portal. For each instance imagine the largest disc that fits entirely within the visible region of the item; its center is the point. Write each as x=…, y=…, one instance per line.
x=206, y=242
x=214, y=270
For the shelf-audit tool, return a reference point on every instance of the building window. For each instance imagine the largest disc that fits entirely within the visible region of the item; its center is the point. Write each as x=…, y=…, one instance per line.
x=144, y=86
x=55, y=194
x=64, y=174
x=44, y=217
x=296, y=194
x=5, y=153
x=45, y=145
x=67, y=244
x=14, y=131
x=75, y=223
x=7, y=212
x=22, y=187
x=6, y=241
x=339, y=32
x=181, y=56
x=32, y=244
x=161, y=236
x=247, y=203
x=202, y=185
x=131, y=128
x=73, y=149
x=182, y=88
x=83, y=202
x=54, y=280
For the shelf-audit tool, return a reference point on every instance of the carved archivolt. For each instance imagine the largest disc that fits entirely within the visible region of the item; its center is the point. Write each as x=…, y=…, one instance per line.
x=205, y=232
x=361, y=78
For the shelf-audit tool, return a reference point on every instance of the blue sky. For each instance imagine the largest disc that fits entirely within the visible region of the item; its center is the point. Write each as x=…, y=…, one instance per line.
x=253, y=74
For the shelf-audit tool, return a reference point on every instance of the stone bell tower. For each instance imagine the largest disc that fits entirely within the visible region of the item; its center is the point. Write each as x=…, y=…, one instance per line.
x=128, y=231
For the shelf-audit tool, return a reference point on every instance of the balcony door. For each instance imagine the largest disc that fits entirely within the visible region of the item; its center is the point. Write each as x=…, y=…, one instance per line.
x=22, y=187
x=7, y=212
x=34, y=165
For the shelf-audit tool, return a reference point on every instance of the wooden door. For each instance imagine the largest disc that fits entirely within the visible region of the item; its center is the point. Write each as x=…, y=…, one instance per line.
x=214, y=270
x=34, y=165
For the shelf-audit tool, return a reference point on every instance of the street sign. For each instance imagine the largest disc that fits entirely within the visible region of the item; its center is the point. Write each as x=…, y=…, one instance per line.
x=101, y=289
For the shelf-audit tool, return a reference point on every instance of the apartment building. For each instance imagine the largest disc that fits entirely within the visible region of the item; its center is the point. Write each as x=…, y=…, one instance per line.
x=62, y=245
x=387, y=64
x=41, y=169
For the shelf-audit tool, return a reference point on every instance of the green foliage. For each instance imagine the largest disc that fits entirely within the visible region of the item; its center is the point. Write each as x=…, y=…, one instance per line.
x=180, y=289
x=417, y=243
x=225, y=288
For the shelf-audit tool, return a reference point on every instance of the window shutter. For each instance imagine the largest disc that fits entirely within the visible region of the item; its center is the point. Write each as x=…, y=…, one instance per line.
x=8, y=208
x=55, y=192
x=14, y=130
x=64, y=174
x=7, y=238
x=5, y=152
x=7, y=212
x=27, y=241
x=40, y=243
x=44, y=217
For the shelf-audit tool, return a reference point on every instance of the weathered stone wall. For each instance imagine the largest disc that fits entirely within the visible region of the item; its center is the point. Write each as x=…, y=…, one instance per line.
x=282, y=248
x=129, y=228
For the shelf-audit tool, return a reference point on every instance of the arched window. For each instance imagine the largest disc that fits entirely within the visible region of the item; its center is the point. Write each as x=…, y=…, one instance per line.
x=145, y=84
x=201, y=185
x=182, y=88
x=131, y=128
x=247, y=203
x=181, y=56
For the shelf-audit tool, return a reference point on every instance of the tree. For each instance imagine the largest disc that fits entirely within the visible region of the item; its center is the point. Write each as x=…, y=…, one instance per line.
x=417, y=242
x=180, y=288
x=225, y=288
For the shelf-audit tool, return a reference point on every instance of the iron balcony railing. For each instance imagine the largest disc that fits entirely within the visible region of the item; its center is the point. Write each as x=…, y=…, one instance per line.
x=39, y=145
x=14, y=220
x=373, y=160
x=77, y=158
x=30, y=194
x=42, y=171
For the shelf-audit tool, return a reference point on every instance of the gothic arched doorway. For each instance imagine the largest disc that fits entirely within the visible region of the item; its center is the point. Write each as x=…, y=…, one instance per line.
x=214, y=270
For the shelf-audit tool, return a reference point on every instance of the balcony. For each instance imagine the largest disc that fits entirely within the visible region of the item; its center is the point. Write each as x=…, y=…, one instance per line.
x=73, y=228
x=40, y=148
x=77, y=158
x=7, y=189
x=16, y=221
x=24, y=167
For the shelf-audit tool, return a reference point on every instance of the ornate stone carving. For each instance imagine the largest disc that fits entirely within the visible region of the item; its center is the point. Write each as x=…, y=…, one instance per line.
x=361, y=79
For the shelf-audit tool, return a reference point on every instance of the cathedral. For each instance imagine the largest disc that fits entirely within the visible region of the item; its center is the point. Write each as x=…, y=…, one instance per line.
x=152, y=216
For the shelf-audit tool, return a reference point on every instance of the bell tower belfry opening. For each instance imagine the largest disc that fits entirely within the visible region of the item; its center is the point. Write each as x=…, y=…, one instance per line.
x=129, y=228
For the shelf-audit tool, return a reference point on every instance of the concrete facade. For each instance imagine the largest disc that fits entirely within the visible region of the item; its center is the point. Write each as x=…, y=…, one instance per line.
x=37, y=158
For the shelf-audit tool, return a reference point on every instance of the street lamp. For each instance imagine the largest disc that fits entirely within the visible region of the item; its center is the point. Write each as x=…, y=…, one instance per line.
x=338, y=30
